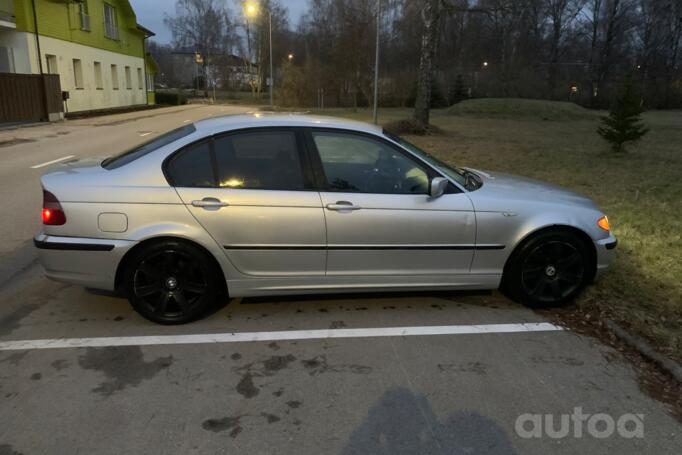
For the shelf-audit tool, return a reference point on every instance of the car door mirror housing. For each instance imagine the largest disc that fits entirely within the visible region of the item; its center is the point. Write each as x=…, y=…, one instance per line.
x=438, y=186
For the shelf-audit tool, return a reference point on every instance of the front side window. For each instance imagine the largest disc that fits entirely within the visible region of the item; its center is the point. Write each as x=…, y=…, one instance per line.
x=192, y=167
x=356, y=163
x=266, y=160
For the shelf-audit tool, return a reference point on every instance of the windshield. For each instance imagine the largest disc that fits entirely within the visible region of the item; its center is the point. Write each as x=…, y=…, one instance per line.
x=462, y=176
x=139, y=151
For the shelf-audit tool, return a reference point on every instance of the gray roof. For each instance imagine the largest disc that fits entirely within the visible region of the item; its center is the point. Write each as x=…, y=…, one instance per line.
x=265, y=119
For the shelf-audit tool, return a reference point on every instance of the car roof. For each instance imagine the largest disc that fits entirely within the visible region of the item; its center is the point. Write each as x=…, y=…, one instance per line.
x=267, y=119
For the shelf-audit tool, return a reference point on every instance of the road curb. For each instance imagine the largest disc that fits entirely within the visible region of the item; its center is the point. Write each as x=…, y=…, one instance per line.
x=645, y=349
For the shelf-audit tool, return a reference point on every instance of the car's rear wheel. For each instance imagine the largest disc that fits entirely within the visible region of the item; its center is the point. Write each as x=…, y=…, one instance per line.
x=549, y=269
x=172, y=282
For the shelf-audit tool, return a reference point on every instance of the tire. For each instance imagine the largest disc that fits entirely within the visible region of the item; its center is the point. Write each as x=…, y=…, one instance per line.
x=549, y=269
x=172, y=282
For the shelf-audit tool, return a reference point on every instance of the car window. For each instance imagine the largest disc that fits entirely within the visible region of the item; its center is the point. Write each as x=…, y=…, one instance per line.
x=131, y=155
x=361, y=164
x=192, y=167
x=267, y=160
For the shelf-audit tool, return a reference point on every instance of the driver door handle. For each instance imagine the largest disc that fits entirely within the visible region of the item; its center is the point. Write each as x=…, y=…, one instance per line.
x=210, y=203
x=343, y=206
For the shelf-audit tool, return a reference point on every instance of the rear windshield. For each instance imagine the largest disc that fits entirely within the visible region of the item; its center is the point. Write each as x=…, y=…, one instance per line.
x=139, y=151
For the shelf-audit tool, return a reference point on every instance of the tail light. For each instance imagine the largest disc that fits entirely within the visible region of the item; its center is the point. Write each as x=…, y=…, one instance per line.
x=53, y=215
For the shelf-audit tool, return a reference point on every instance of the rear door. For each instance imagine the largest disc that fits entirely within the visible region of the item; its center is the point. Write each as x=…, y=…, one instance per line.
x=251, y=191
x=380, y=217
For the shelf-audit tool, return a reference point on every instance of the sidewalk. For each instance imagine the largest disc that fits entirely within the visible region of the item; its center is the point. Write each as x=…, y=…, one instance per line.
x=11, y=133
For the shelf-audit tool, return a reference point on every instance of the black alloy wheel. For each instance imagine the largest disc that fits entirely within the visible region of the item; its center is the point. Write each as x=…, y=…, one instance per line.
x=552, y=271
x=550, y=268
x=172, y=283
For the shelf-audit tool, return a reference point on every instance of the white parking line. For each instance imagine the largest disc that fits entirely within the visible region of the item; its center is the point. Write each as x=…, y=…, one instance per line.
x=145, y=134
x=277, y=336
x=37, y=166
x=186, y=121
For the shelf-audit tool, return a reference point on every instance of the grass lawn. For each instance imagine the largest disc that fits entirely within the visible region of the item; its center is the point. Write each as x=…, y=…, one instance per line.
x=641, y=192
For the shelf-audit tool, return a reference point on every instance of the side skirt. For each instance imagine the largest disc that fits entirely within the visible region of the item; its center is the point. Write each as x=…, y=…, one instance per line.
x=349, y=284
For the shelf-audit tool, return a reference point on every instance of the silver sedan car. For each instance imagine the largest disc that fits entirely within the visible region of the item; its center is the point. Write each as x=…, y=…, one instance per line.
x=263, y=204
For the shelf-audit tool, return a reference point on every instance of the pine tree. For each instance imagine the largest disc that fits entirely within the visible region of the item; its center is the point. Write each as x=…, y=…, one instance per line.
x=623, y=124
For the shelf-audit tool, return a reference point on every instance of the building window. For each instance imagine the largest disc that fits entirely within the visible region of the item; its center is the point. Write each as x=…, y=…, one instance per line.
x=99, y=83
x=84, y=16
x=129, y=79
x=77, y=73
x=140, y=79
x=6, y=60
x=150, y=82
x=51, y=61
x=110, y=22
x=114, y=77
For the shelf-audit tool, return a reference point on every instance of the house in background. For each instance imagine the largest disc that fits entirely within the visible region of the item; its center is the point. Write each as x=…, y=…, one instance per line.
x=96, y=47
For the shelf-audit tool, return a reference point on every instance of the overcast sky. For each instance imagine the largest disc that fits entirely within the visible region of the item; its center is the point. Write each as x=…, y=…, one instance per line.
x=151, y=14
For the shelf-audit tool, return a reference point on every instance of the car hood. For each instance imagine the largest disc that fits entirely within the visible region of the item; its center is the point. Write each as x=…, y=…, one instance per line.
x=500, y=186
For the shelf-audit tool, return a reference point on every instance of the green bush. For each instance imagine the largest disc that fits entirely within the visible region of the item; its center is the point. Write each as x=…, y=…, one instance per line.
x=170, y=99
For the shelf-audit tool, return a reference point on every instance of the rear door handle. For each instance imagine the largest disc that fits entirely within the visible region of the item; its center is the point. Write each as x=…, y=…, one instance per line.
x=343, y=205
x=209, y=203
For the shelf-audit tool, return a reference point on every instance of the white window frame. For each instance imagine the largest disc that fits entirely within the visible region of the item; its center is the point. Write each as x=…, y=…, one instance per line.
x=99, y=80
x=51, y=64
x=114, y=76
x=77, y=65
x=110, y=22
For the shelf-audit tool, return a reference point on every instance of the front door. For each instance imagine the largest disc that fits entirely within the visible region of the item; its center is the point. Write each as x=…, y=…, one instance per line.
x=380, y=217
x=258, y=204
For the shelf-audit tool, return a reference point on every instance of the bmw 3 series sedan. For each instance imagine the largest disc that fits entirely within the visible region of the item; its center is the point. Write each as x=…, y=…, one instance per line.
x=256, y=205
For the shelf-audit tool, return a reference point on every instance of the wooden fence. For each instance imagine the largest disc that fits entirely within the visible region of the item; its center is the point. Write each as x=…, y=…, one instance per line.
x=30, y=97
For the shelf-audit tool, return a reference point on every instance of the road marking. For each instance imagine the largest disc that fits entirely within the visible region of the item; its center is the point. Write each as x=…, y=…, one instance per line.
x=186, y=121
x=277, y=336
x=145, y=134
x=37, y=166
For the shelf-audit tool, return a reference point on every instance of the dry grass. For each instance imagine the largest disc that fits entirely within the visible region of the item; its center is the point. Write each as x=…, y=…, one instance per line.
x=640, y=191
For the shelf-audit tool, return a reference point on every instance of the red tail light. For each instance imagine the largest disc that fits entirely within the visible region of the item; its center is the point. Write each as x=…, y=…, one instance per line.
x=53, y=215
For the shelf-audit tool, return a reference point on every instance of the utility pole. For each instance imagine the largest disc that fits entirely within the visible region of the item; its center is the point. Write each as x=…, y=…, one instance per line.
x=272, y=76
x=376, y=66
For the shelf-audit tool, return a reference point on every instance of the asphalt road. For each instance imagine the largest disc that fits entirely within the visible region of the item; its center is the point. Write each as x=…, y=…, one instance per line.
x=411, y=393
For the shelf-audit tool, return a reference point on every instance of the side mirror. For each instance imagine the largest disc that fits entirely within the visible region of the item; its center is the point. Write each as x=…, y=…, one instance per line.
x=438, y=186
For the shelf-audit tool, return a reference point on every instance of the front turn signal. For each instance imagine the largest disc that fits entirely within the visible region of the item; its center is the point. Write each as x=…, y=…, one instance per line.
x=603, y=223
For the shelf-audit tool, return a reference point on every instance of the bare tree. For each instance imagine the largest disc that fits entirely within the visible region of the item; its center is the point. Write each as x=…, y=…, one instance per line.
x=201, y=26
x=430, y=14
x=562, y=14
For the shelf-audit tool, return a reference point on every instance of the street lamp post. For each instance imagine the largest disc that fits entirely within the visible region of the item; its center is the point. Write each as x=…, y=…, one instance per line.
x=376, y=67
x=272, y=76
x=251, y=9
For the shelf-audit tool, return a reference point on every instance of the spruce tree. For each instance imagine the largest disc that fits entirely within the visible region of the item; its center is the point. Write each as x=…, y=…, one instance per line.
x=623, y=124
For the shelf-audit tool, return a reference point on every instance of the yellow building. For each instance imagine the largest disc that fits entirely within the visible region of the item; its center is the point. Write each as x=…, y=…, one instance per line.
x=96, y=47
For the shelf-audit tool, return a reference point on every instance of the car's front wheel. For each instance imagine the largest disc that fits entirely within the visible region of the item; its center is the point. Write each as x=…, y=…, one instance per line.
x=172, y=282
x=549, y=269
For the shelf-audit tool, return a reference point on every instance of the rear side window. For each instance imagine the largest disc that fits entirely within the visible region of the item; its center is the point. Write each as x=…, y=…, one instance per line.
x=265, y=160
x=192, y=167
x=135, y=153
